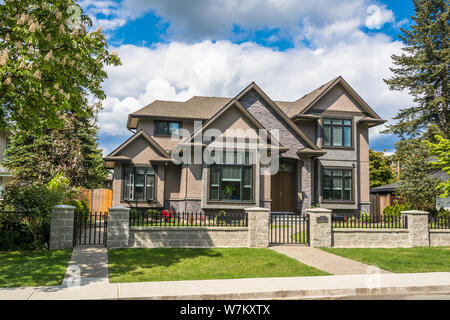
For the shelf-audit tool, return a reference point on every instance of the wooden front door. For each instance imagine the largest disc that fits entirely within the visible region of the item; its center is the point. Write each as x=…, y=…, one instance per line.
x=282, y=189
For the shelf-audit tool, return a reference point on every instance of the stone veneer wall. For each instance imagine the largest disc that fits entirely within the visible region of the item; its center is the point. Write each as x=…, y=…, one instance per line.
x=120, y=235
x=367, y=238
x=169, y=237
x=440, y=238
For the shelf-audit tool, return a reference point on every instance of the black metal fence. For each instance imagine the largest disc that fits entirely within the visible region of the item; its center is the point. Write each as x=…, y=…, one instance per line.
x=188, y=219
x=289, y=228
x=368, y=221
x=90, y=228
x=439, y=222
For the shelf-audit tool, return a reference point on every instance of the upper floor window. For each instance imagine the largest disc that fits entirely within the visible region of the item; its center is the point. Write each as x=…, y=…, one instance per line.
x=232, y=180
x=337, y=185
x=167, y=128
x=337, y=133
x=139, y=184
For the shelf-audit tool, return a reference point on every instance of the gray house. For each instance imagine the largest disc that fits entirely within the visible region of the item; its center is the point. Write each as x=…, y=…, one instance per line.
x=323, y=147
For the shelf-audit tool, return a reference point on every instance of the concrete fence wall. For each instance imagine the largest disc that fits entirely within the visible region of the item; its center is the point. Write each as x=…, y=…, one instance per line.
x=120, y=235
x=255, y=235
x=416, y=234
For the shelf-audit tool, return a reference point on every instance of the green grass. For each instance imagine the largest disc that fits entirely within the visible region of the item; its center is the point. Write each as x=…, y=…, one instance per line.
x=400, y=260
x=27, y=268
x=300, y=237
x=164, y=264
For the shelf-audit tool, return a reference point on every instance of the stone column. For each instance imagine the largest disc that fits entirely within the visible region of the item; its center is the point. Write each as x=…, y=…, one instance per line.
x=320, y=227
x=419, y=234
x=118, y=233
x=61, y=227
x=258, y=227
x=306, y=185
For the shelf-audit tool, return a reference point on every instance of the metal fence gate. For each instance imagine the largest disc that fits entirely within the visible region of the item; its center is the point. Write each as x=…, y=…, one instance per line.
x=90, y=228
x=289, y=228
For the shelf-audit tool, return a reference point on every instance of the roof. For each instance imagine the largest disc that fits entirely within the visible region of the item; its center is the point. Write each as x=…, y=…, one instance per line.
x=203, y=108
x=162, y=152
x=387, y=188
x=437, y=174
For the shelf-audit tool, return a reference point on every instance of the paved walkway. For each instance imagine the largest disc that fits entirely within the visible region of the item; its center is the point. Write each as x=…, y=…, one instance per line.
x=89, y=264
x=265, y=288
x=325, y=261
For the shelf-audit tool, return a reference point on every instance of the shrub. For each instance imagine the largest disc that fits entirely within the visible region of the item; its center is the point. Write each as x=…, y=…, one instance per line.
x=396, y=210
x=35, y=201
x=154, y=214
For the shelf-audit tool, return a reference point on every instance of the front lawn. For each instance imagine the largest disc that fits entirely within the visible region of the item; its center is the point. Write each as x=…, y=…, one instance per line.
x=166, y=264
x=28, y=268
x=400, y=260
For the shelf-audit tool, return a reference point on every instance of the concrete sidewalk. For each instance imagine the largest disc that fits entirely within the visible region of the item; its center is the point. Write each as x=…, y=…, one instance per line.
x=88, y=264
x=325, y=261
x=264, y=288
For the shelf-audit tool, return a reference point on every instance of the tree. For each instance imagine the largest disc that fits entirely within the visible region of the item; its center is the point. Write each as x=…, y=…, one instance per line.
x=71, y=151
x=441, y=151
x=423, y=70
x=415, y=186
x=49, y=63
x=380, y=169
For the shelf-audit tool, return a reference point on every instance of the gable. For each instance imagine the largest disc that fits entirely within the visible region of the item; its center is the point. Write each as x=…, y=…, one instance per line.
x=337, y=99
x=140, y=151
x=232, y=123
x=270, y=119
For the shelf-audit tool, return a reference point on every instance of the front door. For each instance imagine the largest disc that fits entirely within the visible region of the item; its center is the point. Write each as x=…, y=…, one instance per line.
x=282, y=188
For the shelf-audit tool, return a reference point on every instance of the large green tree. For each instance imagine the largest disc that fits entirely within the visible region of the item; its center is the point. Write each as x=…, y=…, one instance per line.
x=380, y=169
x=72, y=151
x=50, y=62
x=416, y=187
x=441, y=152
x=422, y=69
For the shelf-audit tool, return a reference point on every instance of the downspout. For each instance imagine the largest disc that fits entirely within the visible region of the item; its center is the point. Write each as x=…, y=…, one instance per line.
x=186, y=188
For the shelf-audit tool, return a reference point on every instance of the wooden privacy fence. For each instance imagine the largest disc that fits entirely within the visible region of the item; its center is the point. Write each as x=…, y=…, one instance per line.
x=98, y=200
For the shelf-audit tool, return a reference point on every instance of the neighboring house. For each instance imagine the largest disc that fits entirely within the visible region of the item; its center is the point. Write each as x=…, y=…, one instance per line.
x=323, y=143
x=385, y=195
x=5, y=175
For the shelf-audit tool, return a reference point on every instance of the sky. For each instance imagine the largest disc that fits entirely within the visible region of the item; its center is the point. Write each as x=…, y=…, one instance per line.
x=173, y=50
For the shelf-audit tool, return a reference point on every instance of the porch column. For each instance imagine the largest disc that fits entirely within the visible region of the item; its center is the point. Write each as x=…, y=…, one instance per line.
x=118, y=227
x=306, y=184
x=61, y=227
x=419, y=234
x=320, y=228
x=258, y=227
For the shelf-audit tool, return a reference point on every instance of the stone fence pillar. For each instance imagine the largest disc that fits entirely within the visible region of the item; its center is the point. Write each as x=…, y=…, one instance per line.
x=419, y=234
x=118, y=233
x=258, y=227
x=61, y=227
x=320, y=227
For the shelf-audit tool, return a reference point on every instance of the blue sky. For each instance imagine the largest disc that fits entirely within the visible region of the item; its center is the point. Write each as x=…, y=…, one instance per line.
x=176, y=49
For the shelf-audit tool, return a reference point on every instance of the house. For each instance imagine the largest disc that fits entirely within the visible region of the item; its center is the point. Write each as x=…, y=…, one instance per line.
x=5, y=175
x=320, y=143
x=384, y=196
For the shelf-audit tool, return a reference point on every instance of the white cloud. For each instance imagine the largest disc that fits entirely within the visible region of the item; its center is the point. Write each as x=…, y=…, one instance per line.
x=378, y=16
x=177, y=71
x=196, y=20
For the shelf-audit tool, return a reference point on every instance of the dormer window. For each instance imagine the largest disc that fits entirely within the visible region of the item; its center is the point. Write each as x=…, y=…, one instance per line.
x=337, y=133
x=167, y=128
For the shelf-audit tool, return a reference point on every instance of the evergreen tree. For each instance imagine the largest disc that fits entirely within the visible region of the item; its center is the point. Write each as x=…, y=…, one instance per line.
x=416, y=187
x=422, y=69
x=380, y=171
x=72, y=151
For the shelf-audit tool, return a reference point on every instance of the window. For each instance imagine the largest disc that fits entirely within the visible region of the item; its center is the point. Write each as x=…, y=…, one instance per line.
x=166, y=128
x=337, y=185
x=139, y=184
x=337, y=133
x=233, y=180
